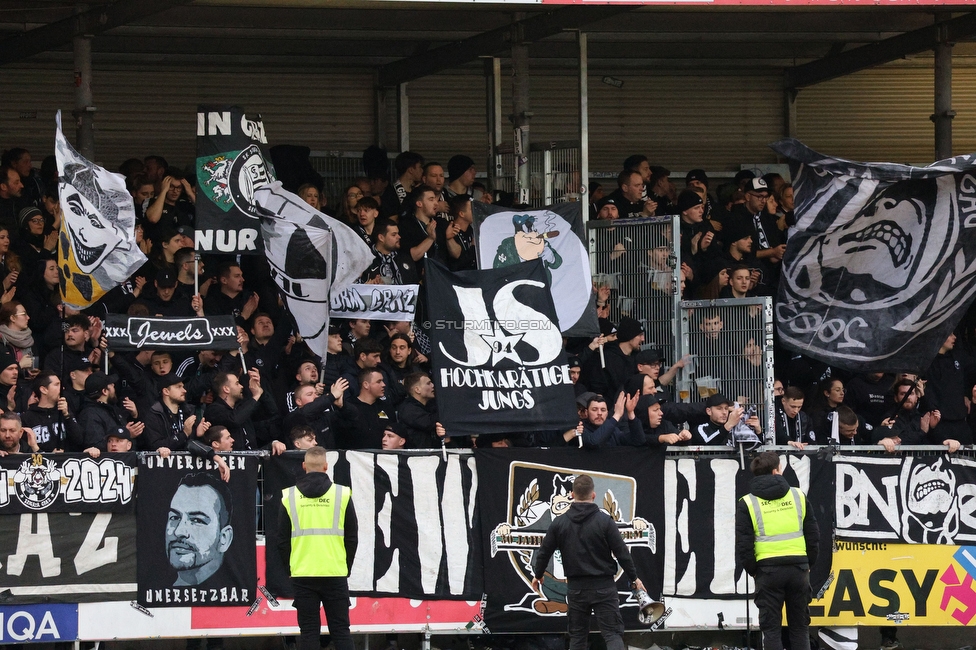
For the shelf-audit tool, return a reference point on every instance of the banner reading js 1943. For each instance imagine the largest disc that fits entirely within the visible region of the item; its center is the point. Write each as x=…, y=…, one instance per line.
x=875, y=583
x=196, y=532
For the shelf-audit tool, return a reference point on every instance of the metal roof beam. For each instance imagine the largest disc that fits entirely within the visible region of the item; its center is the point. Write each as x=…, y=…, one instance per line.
x=891, y=49
x=495, y=41
x=88, y=23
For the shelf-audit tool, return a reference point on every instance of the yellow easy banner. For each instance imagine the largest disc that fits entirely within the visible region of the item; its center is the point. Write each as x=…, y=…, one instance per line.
x=877, y=583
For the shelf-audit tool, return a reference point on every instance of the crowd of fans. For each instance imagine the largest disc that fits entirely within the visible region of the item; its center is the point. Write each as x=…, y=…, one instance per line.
x=374, y=389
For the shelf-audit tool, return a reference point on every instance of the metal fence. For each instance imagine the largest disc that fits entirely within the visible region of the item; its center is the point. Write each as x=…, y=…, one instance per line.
x=639, y=261
x=554, y=172
x=339, y=169
x=732, y=344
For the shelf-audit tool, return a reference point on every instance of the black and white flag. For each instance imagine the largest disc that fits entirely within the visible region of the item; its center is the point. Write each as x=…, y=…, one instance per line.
x=556, y=236
x=882, y=265
x=700, y=499
x=97, y=248
x=418, y=524
x=914, y=500
x=230, y=167
x=311, y=255
x=67, y=483
x=499, y=364
x=196, y=533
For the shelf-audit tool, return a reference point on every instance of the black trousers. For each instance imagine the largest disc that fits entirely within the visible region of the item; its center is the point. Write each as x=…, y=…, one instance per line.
x=778, y=585
x=333, y=595
x=605, y=604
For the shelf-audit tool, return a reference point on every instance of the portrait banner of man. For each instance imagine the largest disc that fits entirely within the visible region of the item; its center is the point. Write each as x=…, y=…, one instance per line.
x=196, y=533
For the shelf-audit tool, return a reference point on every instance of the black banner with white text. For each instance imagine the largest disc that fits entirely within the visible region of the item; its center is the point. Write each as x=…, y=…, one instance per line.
x=700, y=498
x=499, y=364
x=67, y=483
x=200, y=333
x=230, y=166
x=196, y=532
x=418, y=523
x=67, y=558
x=913, y=500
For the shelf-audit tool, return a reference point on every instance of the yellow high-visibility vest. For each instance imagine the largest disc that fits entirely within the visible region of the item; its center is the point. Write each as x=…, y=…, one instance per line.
x=318, y=548
x=778, y=525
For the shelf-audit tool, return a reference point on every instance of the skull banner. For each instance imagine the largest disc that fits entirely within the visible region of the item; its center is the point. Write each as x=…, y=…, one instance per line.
x=881, y=265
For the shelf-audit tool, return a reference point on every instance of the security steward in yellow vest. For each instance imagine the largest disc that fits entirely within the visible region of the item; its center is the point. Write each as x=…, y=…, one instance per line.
x=776, y=537
x=317, y=539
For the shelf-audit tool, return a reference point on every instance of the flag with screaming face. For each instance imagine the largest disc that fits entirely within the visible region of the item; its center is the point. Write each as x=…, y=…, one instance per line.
x=97, y=248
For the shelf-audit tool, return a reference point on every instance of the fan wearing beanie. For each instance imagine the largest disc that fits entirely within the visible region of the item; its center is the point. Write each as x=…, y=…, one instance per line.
x=735, y=249
x=461, y=172
x=619, y=362
x=13, y=400
x=696, y=234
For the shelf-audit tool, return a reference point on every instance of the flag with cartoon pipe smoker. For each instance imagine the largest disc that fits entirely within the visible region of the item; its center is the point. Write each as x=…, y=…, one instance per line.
x=554, y=234
x=97, y=248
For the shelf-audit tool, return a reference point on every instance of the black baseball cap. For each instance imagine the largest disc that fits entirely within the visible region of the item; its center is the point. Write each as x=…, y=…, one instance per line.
x=717, y=400
x=166, y=279
x=98, y=381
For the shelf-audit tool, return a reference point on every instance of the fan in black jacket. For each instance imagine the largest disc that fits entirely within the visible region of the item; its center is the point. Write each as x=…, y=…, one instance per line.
x=417, y=414
x=170, y=420
x=319, y=412
x=232, y=410
x=49, y=418
x=100, y=416
x=588, y=541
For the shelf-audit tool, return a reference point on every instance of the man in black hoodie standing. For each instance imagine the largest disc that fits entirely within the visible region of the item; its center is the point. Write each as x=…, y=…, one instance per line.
x=317, y=540
x=589, y=541
x=776, y=540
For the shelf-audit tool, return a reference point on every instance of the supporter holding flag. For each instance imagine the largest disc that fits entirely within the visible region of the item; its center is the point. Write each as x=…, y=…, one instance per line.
x=98, y=225
x=311, y=255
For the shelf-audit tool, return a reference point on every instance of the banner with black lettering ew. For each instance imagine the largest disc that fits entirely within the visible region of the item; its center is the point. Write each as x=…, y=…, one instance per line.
x=67, y=483
x=496, y=348
x=521, y=492
x=882, y=265
x=68, y=558
x=699, y=556
x=230, y=166
x=389, y=302
x=196, y=532
x=418, y=523
x=916, y=499
x=161, y=333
